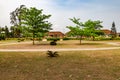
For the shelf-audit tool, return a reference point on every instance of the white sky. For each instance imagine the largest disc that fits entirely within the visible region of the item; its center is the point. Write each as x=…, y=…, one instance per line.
x=61, y=10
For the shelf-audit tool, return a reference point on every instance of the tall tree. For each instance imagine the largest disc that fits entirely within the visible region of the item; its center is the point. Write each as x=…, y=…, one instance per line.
x=35, y=20
x=76, y=30
x=113, y=30
x=15, y=17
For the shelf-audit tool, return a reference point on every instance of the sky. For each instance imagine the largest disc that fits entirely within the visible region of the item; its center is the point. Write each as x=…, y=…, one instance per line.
x=62, y=10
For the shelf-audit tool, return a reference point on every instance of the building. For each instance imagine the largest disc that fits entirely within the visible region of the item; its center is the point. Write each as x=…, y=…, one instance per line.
x=118, y=34
x=55, y=34
x=106, y=32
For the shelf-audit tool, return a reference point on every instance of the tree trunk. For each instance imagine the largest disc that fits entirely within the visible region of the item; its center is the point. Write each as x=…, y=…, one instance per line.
x=93, y=38
x=80, y=40
x=33, y=38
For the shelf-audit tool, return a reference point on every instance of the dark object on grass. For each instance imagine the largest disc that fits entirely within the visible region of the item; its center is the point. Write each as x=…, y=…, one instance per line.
x=53, y=42
x=52, y=54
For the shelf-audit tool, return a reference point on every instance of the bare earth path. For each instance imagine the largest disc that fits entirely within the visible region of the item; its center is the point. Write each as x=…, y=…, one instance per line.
x=66, y=49
x=56, y=49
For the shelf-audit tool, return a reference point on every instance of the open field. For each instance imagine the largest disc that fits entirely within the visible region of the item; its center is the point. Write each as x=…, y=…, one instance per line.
x=77, y=65
x=61, y=44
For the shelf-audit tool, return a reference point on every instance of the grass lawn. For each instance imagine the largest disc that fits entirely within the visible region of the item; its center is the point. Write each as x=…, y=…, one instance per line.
x=61, y=44
x=79, y=65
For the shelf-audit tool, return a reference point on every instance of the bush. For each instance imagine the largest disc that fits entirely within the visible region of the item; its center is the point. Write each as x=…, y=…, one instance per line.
x=66, y=38
x=52, y=54
x=20, y=39
x=53, y=42
x=104, y=38
x=52, y=39
x=2, y=37
x=118, y=38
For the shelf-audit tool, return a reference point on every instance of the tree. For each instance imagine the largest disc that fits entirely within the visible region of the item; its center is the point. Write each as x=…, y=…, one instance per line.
x=15, y=18
x=0, y=30
x=15, y=32
x=2, y=33
x=93, y=28
x=76, y=30
x=12, y=31
x=89, y=28
x=113, y=30
x=6, y=32
x=27, y=32
x=35, y=20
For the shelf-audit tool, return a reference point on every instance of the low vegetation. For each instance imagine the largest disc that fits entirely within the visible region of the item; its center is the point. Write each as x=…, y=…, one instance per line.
x=52, y=54
x=81, y=65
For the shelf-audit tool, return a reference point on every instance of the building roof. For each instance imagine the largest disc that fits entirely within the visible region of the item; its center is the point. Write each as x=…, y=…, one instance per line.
x=106, y=31
x=55, y=32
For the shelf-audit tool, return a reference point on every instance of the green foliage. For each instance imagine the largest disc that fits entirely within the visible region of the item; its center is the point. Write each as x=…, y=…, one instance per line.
x=93, y=28
x=87, y=29
x=2, y=37
x=76, y=21
x=52, y=54
x=16, y=31
x=76, y=30
x=102, y=38
x=20, y=39
x=7, y=32
x=105, y=38
x=65, y=38
x=117, y=38
x=52, y=39
x=35, y=20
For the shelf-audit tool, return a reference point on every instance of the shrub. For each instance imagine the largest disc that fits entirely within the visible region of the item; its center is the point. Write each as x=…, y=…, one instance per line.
x=2, y=37
x=52, y=54
x=52, y=39
x=20, y=39
x=106, y=38
x=53, y=42
x=118, y=38
x=66, y=38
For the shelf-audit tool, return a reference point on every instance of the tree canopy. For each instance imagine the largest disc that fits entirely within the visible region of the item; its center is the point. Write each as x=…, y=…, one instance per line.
x=89, y=28
x=76, y=30
x=93, y=27
x=36, y=21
